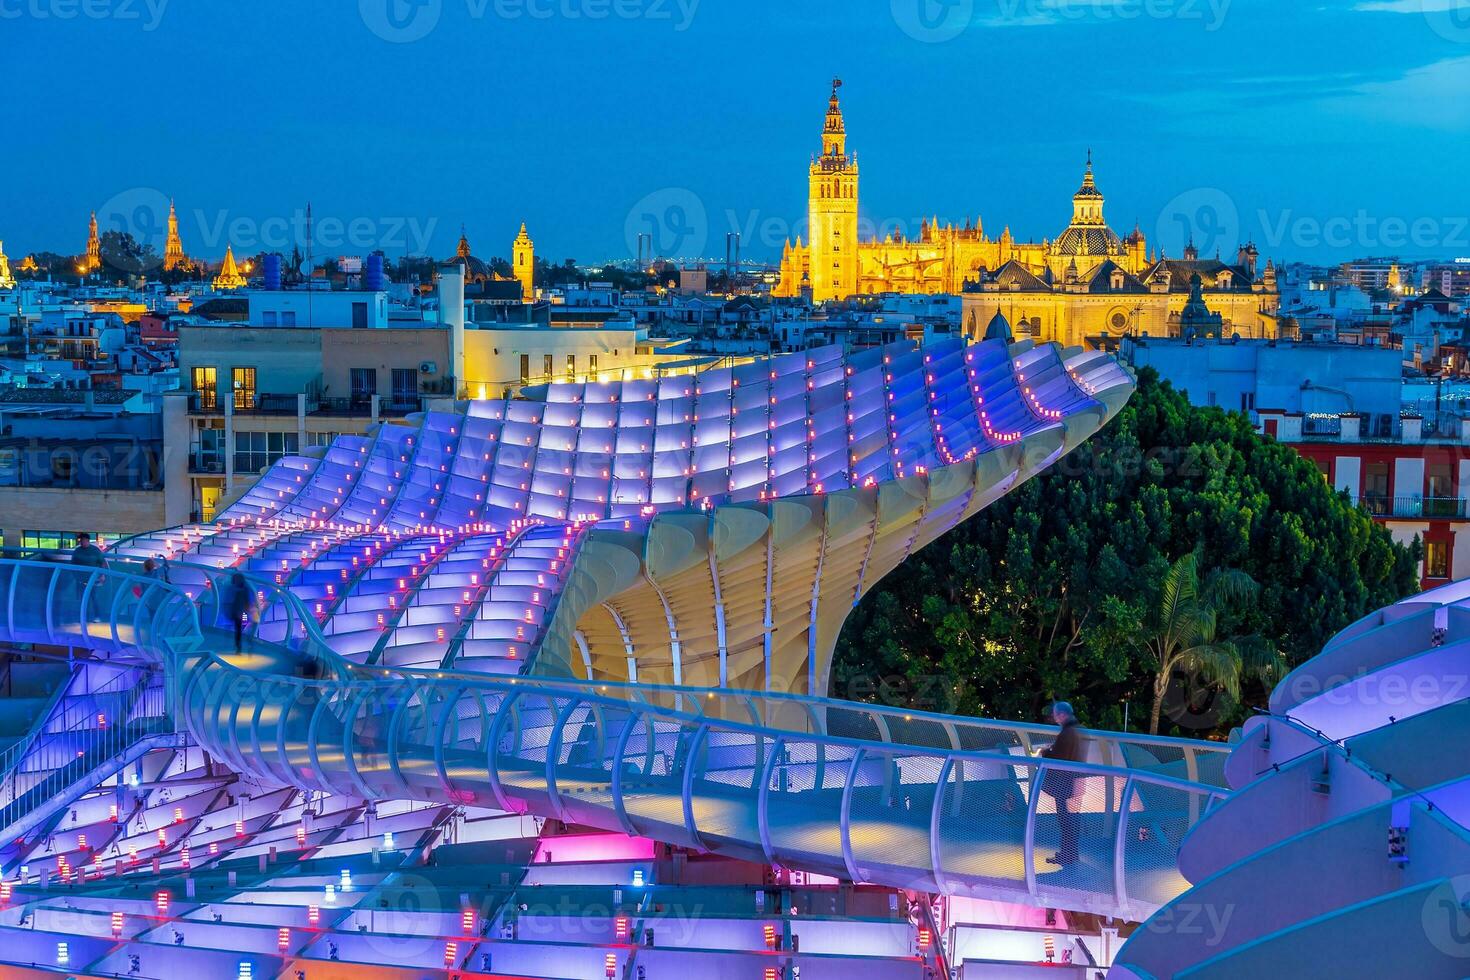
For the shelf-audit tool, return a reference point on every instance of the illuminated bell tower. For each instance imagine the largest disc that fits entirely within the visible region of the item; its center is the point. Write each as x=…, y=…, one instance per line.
x=523, y=263
x=7, y=281
x=833, y=211
x=173, y=249
x=93, y=261
x=1087, y=203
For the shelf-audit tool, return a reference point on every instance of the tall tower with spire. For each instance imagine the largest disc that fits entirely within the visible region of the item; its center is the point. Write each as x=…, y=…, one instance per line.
x=7, y=281
x=523, y=263
x=173, y=249
x=93, y=259
x=1087, y=203
x=832, y=210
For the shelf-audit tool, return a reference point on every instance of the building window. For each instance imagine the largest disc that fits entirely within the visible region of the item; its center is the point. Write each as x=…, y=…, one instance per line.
x=1436, y=559
x=254, y=451
x=548, y=365
x=571, y=367
x=525, y=369
x=269, y=319
x=209, y=451
x=206, y=387
x=1438, y=481
x=1375, y=486
x=60, y=540
x=592, y=363
x=364, y=385
x=62, y=467
x=244, y=378
x=288, y=318
x=405, y=386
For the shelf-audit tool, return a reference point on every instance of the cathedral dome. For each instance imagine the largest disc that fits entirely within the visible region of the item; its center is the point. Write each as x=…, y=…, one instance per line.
x=999, y=329
x=1088, y=240
x=475, y=269
x=1088, y=234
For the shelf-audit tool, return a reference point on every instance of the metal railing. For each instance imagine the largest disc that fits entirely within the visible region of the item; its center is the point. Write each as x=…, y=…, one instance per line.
x=93, y=724
x=826, y=786
x=936, y=819
x=1414, y=506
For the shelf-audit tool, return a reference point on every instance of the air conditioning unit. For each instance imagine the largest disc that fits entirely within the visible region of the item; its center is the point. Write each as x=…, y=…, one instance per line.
x=428, y=367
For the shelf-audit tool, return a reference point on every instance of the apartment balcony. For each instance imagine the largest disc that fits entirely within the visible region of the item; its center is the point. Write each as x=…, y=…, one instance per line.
x=206, y=403
x=206, y=464
x=1425, y=508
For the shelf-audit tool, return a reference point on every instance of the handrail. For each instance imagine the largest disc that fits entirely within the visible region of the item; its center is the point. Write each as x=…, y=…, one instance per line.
x=311, y=642
x=421, y=734
x=298, y=632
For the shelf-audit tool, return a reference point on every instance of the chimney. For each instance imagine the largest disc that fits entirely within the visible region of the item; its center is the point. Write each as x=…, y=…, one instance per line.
x=451, y=312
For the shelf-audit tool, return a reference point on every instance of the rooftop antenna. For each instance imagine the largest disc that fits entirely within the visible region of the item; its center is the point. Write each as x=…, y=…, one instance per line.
x=310, y=268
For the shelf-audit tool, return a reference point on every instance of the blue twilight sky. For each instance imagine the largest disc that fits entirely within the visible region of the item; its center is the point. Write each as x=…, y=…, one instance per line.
x=1323, y=129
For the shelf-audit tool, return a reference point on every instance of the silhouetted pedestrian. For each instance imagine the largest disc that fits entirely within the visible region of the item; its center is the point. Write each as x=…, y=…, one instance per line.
x=238, y=603
x=1061, y=784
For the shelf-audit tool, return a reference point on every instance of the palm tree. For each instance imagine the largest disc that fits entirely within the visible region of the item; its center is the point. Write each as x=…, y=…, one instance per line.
x=1182, y=632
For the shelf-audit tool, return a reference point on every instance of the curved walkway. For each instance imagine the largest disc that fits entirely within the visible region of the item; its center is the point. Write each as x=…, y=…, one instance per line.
x=862, y=793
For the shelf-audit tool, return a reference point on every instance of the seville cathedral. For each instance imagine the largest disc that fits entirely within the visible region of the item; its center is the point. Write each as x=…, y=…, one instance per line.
x=1087, y=286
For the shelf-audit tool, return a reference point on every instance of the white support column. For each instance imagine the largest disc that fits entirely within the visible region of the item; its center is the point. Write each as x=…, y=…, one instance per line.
x=229, y=447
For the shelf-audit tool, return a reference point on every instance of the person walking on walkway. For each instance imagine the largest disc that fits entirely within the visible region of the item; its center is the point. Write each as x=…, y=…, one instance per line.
x=1061, y=784
x=87, y=553
x=238, y=603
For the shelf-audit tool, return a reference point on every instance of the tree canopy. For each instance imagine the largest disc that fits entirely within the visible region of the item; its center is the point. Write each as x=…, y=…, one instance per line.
x=1045, y=593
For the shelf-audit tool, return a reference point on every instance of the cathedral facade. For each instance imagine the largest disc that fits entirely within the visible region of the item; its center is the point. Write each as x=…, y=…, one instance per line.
x=1086, y=286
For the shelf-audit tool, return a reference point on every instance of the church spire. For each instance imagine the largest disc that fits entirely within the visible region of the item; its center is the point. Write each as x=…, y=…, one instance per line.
x=1087, y=203
x=463, y=251
x=93, y=260
x=173, y=249
x=229, y=273
x=834, y=132
x=523, y=264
